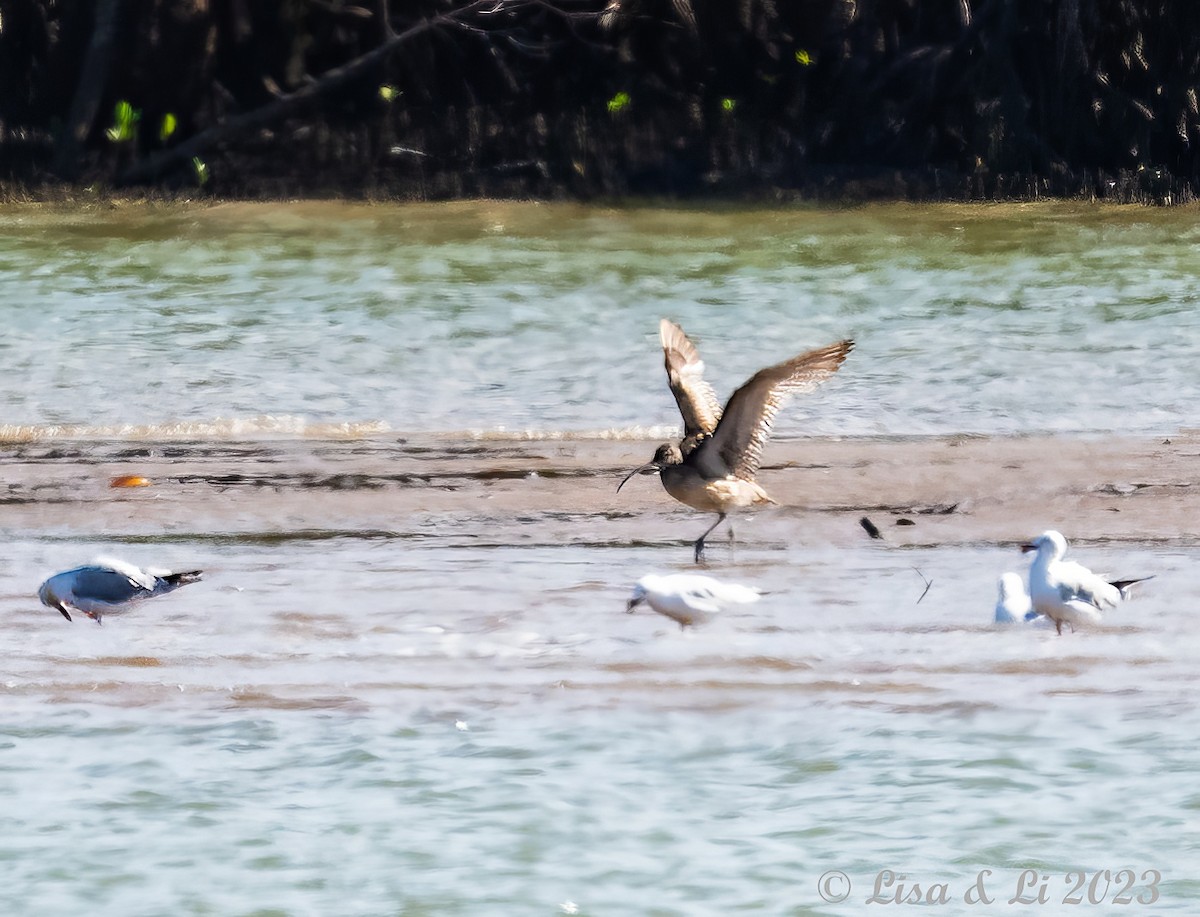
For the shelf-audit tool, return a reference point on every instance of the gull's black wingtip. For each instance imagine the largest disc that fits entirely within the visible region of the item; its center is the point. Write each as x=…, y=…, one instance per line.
x=182, y=579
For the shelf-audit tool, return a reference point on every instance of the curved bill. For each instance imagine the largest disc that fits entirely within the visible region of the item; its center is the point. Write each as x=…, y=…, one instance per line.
x=645, y=469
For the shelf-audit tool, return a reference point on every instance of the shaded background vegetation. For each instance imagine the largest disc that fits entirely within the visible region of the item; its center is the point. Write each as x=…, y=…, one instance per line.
x=578, y=98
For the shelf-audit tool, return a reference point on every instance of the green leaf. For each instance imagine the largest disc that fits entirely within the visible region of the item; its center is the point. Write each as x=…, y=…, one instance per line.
x=728, y=105
x=389, y=93
x=125, y=119
x=167, y=128
x=804, y=58
x=201, y=170
x=618, y=103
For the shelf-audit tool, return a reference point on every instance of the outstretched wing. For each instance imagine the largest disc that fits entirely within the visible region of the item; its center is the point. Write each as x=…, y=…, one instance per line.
x=746, y=423
x=685, y=374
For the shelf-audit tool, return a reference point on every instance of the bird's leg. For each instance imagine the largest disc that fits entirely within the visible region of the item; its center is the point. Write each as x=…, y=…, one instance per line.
x=700, y=540
x=1058, y=626
x=94, y=616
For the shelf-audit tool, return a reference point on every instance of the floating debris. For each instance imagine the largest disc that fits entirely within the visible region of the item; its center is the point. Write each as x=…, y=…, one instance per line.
x=129, y=480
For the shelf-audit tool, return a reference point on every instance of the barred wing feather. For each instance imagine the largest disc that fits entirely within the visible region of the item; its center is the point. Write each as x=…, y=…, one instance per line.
x=746, y=424
x=685, y=374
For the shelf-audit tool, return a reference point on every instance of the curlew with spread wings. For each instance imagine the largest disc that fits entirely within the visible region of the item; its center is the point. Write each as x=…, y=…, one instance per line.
x=714, y=466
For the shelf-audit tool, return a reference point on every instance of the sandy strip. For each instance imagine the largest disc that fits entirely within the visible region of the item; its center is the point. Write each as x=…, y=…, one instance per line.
x=953, y=489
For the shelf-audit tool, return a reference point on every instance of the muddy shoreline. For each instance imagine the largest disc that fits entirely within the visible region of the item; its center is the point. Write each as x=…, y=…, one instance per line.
x=919, y=491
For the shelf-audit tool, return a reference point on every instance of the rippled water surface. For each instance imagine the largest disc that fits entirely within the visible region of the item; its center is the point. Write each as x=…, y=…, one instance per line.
x=449, y=712
x=524, y=317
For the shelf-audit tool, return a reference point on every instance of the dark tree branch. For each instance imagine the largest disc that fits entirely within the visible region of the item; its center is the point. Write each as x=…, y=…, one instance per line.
x=312, y=93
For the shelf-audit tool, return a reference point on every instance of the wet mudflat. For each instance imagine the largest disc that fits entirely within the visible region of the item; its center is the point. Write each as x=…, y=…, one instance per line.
x=407, y=684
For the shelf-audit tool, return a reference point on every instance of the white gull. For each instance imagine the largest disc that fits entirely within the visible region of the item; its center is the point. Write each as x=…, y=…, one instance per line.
x=689, y=598
x=1013, y=605
x=1067, y=592
x=108, y=586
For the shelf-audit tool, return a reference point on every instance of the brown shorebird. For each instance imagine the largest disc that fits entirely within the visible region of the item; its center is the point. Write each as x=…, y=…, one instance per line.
x=713, y=467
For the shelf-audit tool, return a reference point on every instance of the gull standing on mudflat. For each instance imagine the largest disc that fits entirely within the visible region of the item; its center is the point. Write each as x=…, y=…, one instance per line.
x=713, y=467
x=1068, y=592
x=689, y=598
x=108, y=586
x=1013, y=605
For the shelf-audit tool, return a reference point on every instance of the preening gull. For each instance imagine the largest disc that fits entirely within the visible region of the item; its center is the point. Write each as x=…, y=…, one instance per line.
x=108, y=586
x=713, y=467
x=1067, y=592
x=1013, y=605
x=689, y=598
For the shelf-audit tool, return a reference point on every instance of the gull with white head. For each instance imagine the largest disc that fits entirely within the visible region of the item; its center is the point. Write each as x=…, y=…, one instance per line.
x=1013, y=605
x=1067, y=592
x=714, y=466
x=108, y=586
x=689, y=598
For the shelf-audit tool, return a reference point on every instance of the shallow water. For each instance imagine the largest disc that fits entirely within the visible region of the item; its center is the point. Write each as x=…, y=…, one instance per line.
x=491, y=316
x=342, y=726
x=451, y=713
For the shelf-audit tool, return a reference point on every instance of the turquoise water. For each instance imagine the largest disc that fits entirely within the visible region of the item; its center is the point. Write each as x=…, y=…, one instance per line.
x=490, y=317
x=454, y=715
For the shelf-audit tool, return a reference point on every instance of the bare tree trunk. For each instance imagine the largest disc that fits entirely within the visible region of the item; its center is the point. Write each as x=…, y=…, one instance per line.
x=93, y=78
